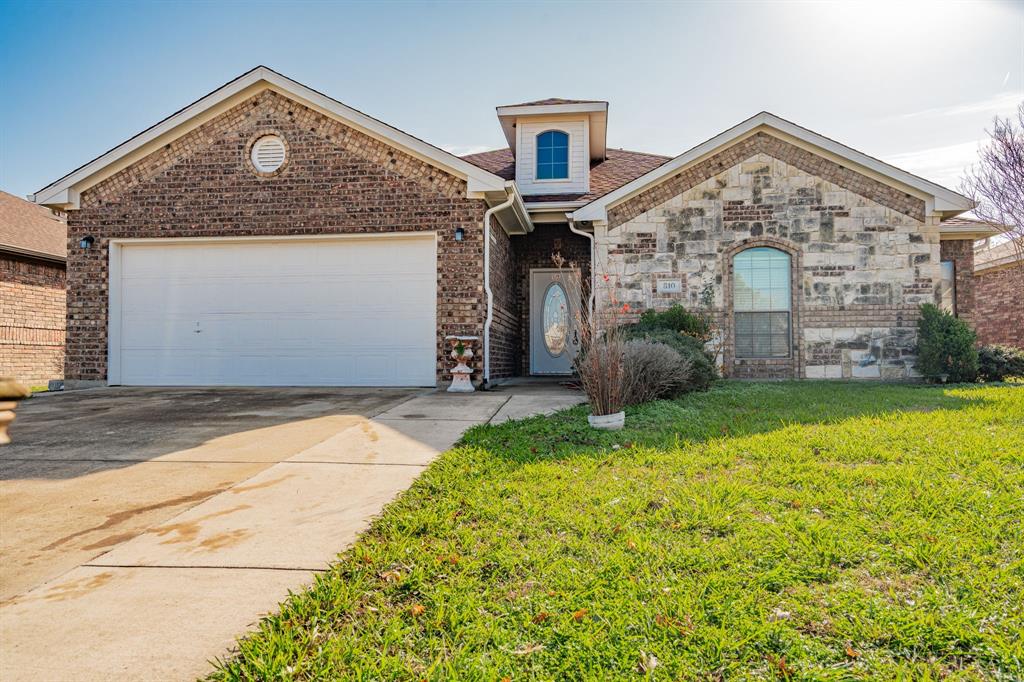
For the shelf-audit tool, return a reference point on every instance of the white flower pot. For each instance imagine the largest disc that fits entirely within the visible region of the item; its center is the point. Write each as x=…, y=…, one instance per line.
x=607, y=422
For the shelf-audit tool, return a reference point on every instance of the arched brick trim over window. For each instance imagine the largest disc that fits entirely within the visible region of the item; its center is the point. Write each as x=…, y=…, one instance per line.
x=764, y=368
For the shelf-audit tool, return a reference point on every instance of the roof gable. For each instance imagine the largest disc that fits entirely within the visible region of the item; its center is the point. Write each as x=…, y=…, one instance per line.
x=935, y=197
x=65, y=192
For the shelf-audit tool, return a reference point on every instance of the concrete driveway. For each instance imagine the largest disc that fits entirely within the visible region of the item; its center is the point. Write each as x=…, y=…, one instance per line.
x=143, y=530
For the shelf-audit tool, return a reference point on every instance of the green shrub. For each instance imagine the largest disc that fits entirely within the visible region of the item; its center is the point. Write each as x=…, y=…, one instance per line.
x=702, y=367
x=996, y=363
x=945, y=346
x=675, y=319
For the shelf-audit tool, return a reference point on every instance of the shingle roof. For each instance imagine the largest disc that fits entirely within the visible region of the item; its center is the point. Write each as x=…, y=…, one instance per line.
x=555, y=100
x=616, y=170
x=26, y=227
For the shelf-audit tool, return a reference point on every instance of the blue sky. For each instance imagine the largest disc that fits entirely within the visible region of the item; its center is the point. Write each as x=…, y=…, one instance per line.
x=914, y=83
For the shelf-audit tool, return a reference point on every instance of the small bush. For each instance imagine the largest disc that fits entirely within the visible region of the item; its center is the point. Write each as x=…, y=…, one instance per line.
x=997, y=363
x=653, y=371
x=600, y=365
x=945, y=346
x=675, y=319
x=702, y=367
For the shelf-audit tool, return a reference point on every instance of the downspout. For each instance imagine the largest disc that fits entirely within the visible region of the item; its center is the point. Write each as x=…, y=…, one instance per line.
x=487, y=279
x=593, y=265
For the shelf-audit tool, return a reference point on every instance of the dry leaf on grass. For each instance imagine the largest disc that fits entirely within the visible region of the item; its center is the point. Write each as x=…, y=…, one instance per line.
x=528, y=649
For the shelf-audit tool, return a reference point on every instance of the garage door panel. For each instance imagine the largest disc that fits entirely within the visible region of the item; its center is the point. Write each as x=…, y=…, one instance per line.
x=355, y=312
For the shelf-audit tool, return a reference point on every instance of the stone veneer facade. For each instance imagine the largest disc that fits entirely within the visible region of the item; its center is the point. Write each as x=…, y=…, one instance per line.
x=863, y=256
x=336, y=180
x=31, y=320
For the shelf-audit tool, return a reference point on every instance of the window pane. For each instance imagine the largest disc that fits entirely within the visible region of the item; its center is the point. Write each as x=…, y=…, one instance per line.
x=762, y=346
x=744, y=347
x=780, y=345
x=780, y=323
x=762, y=323
x=761, y=280
x=744, y=325
x=552, y=155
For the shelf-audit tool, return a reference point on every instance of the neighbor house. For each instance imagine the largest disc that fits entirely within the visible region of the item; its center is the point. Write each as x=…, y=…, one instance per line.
x=33, y=244
x=999, y=293
x=268, y=234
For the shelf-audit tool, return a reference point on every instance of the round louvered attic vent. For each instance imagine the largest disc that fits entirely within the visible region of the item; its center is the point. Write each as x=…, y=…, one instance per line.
x=268, y=153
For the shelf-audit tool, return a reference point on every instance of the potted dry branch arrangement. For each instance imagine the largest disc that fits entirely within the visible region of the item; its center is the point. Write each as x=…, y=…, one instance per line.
x=600, y=363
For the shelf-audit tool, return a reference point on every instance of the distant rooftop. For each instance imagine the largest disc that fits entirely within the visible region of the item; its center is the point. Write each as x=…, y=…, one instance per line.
x=31, y=230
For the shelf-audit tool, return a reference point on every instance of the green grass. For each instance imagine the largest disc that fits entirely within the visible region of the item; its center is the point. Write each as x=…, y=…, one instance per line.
x=758, y=531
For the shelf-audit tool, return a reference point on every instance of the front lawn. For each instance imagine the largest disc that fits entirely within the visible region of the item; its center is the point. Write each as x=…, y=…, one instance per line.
x=806, y=530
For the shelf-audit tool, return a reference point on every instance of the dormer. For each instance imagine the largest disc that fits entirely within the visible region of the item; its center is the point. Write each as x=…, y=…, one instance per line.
x=554, y=142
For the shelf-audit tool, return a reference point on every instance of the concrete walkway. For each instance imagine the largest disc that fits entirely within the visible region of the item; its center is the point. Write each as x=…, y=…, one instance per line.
x=163, y=601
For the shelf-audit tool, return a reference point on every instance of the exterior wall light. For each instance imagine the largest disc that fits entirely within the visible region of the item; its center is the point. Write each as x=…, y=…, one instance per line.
x=460, y=234
x=86, y=242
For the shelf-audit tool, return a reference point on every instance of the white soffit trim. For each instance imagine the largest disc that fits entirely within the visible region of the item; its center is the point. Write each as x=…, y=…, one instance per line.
x=944, y=200
x=64, y=193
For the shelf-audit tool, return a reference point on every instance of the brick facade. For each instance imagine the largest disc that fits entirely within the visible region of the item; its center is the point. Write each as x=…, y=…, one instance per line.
x=506, y=308
x=961, y=252
x=999, y=305
x=337, y=180
x=32, y=312
x=863, y=257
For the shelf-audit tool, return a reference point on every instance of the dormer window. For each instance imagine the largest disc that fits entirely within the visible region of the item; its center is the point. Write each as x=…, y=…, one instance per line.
x=553, y=155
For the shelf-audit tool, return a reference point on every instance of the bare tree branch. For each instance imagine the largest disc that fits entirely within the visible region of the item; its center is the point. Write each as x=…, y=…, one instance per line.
x=996, y=182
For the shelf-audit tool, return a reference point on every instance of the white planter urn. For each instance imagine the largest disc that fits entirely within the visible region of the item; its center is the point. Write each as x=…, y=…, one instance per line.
x=462, y=354
x=607, y=422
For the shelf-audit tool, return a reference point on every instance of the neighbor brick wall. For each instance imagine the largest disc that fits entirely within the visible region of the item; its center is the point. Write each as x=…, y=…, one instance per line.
x=999, y=306
x=336, y=180
x=961, y=252
x=537, y=250
x=32, y=314
x=863, y=261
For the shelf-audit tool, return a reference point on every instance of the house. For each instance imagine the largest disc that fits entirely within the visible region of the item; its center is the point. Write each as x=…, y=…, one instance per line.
x=999, y=293
x=268, y=234
x=33, y=247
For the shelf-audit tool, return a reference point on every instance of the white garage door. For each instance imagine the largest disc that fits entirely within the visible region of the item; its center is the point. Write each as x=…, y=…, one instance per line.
x=341, y=312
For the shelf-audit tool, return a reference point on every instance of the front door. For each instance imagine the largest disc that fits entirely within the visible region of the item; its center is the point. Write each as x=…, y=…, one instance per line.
x=554, y=334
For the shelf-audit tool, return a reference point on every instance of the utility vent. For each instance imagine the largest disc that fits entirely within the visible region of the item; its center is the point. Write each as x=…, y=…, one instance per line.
x=268, y=153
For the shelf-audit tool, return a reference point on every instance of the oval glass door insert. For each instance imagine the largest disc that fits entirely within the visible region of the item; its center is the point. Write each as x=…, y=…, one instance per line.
x=555, y=316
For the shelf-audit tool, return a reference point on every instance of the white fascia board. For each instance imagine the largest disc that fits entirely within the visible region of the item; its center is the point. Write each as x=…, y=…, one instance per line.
x=967, y=231
x=478, y=180
x=554, y=205
x=545, y=109
x=943, y=200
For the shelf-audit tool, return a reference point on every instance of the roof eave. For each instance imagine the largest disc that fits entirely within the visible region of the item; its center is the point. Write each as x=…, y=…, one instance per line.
x=31, y=253
x=943, y=201
x=64, y=193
